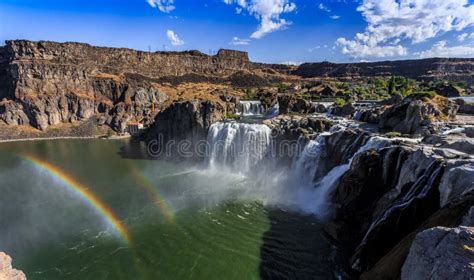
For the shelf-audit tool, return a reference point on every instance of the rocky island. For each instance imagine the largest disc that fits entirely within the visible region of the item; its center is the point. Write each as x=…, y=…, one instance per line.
x=384, y=150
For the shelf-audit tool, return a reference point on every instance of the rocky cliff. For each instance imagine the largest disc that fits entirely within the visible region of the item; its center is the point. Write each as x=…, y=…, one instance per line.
x=390, y=194
x=455, y=69
x=47, y=83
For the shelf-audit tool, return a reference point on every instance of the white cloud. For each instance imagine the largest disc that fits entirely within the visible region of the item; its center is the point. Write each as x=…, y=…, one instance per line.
x=462, y=37
x=165, y=6
x=314, y=48
x=415, y=21
x=174, y=39
x=268, y=12
x=291, y=62
x=236, y=41
x=334, y=17
x=465, y=36
x=357, y=50
x=323, y=7
x=441, y=50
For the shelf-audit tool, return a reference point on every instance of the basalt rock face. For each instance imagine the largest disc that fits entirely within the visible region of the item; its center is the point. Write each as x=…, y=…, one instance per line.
x=455, y=69
x=47, y=83
x=441, y=253
x=389, y=193
x=183, y=122
x=415, y=114
x=7, y=272
x=291, y=104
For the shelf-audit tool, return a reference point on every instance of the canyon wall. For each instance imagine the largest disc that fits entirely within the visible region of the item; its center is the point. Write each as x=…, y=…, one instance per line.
x=47, y=83
x=454, y=69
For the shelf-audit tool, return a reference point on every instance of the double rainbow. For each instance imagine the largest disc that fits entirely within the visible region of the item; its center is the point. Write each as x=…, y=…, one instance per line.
x=82, y=191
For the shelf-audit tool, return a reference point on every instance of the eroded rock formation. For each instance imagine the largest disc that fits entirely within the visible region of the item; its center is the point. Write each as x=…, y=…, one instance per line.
x=47, y=83
x=185, y=125
x=390, y=194
x=415, y=114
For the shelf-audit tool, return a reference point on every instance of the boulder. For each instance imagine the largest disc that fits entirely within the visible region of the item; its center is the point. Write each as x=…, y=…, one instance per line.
x=320, y=108
x=344, y=111
x=12, y=113
x=7, y=272
x=441, y=253
x=291, y=104
x=465, y=107
x=448, y=91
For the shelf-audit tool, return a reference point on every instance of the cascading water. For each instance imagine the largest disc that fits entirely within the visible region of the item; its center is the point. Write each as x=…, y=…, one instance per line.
x=312, y=192
x=250, y=108
x=237, y=147
x=240, y=148
x=273, y=111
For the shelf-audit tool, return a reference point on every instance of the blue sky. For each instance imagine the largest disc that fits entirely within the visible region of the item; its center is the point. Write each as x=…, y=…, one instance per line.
x=273, y=31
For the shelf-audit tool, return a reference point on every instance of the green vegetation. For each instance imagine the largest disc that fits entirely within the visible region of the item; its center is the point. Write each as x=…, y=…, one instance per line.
x=232, y=116
x=339, y=102
x=249, y=94
x=393, y=134
x=401, y=85
x=282, y=87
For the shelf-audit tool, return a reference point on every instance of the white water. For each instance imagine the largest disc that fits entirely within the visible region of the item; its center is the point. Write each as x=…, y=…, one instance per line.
x=312, y=192
x=250, y=108
x=239, y=149
x=273, y=111
x=237, y=146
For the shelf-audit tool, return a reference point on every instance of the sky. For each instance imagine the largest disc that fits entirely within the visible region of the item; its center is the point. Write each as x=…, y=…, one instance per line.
x=272, y=31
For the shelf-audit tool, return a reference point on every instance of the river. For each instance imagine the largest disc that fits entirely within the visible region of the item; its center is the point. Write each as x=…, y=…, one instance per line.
x=90, y=209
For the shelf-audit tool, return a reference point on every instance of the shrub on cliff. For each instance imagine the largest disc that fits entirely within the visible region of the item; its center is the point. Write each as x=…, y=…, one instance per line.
x=339, y=102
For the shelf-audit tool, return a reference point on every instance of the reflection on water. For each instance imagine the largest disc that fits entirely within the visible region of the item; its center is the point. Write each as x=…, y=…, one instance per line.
x=184, y=222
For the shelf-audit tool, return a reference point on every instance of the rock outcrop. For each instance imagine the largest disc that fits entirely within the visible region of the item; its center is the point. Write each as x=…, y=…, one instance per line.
x=346, y=110
x=6, y=270
x=179, y=129
x=388, y=194
x=415, y=114
x=291, y=104
x=448, y=91
x=441, y=253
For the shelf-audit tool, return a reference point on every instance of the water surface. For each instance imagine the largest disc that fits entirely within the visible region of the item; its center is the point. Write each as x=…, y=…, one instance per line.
x=182, y=221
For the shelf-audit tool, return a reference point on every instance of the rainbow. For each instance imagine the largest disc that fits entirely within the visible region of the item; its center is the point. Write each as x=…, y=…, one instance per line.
x=158, y=199
x=82, y=191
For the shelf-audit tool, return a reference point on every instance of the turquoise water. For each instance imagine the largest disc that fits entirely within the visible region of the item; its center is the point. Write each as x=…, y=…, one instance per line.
x=184, y=221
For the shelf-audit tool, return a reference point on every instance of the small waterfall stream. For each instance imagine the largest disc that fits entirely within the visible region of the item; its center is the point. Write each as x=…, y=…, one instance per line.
x=250, y=108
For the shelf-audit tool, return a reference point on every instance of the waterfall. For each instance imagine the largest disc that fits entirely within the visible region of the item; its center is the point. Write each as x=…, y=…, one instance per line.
x=273, y=111
x=250, y=108
x=238, y=147
x=312, y=192
x=241, y=148
x=358, y=114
